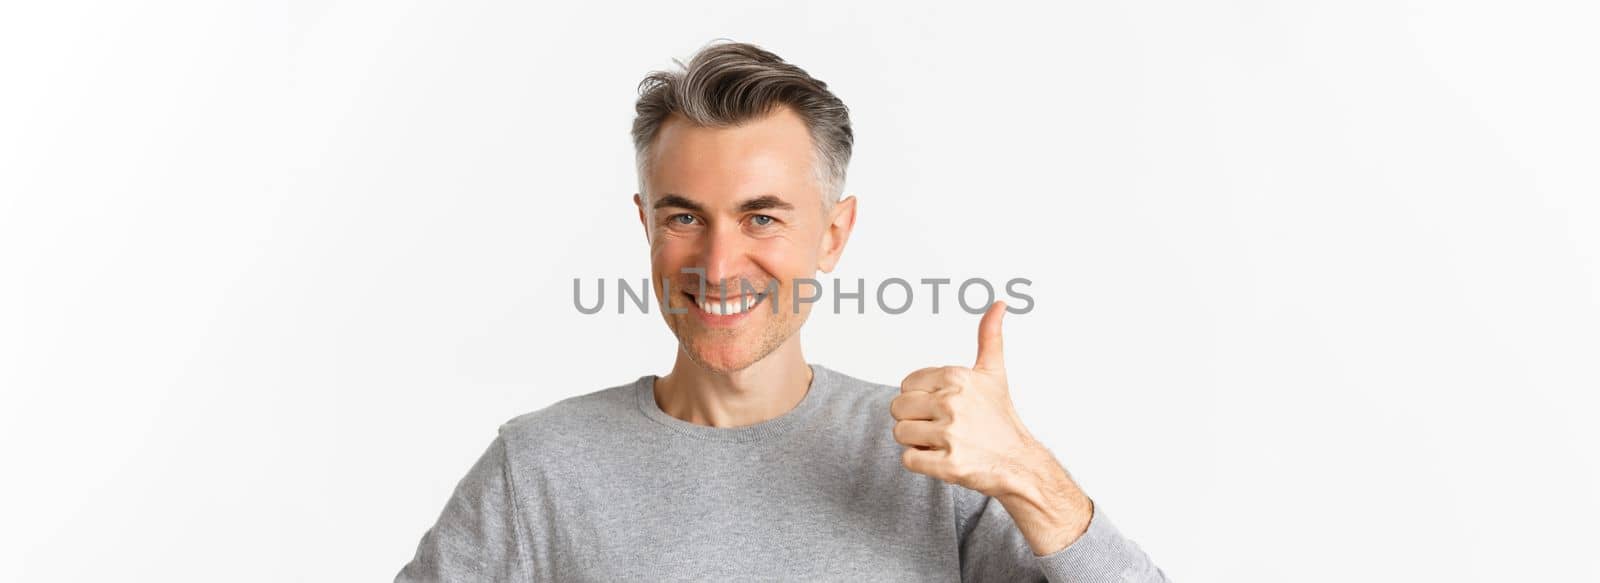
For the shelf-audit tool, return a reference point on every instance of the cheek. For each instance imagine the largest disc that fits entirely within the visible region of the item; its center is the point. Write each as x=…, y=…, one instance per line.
x=669, y=252
x=784, y=259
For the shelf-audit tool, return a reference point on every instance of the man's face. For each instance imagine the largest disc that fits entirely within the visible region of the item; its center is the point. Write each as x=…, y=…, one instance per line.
x=739, y=203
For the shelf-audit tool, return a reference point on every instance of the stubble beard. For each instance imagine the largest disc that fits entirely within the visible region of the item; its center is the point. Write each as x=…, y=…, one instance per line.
x=695, y=340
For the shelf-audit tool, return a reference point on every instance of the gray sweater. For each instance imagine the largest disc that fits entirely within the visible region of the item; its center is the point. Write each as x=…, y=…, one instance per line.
x=607, y=487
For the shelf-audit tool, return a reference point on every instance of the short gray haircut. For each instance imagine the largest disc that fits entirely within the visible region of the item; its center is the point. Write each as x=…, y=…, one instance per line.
x=727, y=84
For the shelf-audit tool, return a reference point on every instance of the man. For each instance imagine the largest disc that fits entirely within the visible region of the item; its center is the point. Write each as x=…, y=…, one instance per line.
x=745, y=462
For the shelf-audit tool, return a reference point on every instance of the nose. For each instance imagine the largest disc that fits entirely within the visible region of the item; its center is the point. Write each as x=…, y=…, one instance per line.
x=723, y=255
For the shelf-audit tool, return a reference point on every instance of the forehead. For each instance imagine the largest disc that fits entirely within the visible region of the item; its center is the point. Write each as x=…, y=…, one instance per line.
x=771, y=155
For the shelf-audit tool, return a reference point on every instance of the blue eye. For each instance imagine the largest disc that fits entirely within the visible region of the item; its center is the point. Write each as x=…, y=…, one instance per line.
x=683, y=219
x=762, y=220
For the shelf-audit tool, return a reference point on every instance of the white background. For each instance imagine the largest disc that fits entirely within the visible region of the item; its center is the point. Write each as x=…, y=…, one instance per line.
x=1316, y=283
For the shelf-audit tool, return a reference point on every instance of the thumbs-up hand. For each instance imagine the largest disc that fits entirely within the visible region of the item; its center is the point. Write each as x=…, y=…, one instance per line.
x=958, y=423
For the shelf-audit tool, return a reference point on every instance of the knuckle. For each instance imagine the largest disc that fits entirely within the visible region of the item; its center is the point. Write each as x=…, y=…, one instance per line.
x=911, y=378
x=961, y=473
x=959, y=468
x=911, y=382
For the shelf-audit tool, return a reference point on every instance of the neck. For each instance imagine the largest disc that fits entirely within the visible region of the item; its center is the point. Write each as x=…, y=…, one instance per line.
x=762, y=391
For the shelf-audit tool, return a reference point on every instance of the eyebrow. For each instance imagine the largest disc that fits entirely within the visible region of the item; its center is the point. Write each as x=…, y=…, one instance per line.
x=678, y=201
x=764, y=202
x=760, y=203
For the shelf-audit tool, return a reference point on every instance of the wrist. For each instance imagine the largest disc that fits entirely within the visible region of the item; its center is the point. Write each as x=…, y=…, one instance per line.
x=1028, y=474
x=1044, y=501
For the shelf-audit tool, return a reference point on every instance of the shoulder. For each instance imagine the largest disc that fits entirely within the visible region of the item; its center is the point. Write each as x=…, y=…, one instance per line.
x=573, y=419
x=852, y=383
x=853, y=395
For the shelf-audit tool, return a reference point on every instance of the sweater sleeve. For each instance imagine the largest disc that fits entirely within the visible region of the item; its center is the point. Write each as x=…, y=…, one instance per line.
x=478, y=536
x=993, y=549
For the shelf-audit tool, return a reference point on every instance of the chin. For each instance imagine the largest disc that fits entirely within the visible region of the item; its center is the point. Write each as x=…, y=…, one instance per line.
x=721, y=357
x=726, y=351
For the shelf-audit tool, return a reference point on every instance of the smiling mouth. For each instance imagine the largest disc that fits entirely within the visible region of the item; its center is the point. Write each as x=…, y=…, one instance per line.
x=727, y=306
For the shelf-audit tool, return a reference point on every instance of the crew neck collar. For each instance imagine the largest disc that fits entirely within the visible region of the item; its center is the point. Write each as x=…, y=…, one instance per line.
x=821, y=381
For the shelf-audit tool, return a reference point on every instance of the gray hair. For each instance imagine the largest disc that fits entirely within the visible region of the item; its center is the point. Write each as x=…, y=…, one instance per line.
x=728, y=84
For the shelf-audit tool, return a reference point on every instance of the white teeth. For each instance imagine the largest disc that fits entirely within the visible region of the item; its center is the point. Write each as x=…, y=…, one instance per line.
x=730, y=306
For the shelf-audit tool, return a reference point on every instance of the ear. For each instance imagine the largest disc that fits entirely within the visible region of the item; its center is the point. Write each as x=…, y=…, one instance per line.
x=639, y=203
x=840, y=222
